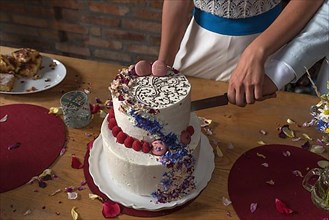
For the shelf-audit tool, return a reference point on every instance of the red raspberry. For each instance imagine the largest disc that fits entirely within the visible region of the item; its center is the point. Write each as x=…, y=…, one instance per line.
x=137, y=145
x=185, y=137
x=116, y=130
x=121, y=137
x=111, y=113
x=112, y=123
x=146, y=147
x=190, y=130
x=129, y=142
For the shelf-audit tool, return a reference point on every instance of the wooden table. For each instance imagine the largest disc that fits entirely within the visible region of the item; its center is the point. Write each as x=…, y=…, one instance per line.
x=232, y=126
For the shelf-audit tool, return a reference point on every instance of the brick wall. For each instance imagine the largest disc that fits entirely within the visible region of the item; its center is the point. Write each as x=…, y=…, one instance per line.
x=116, y=31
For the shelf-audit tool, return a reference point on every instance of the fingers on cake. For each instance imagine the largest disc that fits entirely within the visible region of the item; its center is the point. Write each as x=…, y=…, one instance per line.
x=24, y=62
x=151, y=140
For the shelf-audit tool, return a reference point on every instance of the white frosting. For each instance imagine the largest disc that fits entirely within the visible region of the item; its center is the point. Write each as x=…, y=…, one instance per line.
x=139, y=172
x=170, y=95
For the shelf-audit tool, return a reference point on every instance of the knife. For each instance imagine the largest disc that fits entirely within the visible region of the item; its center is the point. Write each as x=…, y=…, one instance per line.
x=209, y=102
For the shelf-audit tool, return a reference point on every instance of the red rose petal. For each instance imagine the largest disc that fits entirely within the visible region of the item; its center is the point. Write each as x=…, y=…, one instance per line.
x=111, y=210
x=90, y=145
x=94, y=108
x=75, y=162
x=282, y=208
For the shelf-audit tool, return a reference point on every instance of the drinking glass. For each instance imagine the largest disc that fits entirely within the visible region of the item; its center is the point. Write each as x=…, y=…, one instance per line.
x=76, y=110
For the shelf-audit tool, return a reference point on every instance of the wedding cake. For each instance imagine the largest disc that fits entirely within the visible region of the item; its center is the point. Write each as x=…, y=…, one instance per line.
x=151, y=140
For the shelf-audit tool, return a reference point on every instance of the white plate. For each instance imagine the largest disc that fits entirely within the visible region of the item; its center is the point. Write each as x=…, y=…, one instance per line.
x=99, y=172
x=49, y=78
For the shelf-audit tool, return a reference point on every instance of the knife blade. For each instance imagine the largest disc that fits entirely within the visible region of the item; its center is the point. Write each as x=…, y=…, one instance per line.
x=210, y=102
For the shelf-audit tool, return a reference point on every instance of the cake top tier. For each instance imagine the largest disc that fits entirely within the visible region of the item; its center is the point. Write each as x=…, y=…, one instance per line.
x=150, y=92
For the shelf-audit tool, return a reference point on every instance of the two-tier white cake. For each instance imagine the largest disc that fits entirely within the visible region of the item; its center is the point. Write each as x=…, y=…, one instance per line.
x=151, y=140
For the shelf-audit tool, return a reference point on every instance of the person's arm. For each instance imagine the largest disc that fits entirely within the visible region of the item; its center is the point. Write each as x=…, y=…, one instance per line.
x=176, y=15
x=246, y=82
x=301, y=53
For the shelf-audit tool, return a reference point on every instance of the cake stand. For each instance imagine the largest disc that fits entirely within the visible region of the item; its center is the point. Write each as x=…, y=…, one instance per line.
x=101, y=176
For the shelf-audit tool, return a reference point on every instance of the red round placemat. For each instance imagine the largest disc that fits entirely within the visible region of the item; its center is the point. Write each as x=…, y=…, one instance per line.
x=40, y=135
x=124, y=210
x=248, y=177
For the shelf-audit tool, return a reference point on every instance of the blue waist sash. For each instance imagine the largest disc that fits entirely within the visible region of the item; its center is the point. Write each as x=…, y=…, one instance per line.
x=236, y=27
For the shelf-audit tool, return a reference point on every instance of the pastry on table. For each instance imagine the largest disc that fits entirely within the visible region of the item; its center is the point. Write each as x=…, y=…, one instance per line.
x=30, y=69
x=7, y=82
x=28, y=62
x=25, y=55
x=7, y=64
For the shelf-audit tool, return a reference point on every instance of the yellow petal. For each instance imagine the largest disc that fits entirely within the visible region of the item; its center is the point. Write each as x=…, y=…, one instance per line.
x=307, y=137
x=219, y=152
x=288, y=132
x=261, y=142
x=290, y=121
x=74, y=214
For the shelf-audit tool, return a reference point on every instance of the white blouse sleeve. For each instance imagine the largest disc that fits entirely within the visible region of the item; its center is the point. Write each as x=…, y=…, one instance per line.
x=308, y=47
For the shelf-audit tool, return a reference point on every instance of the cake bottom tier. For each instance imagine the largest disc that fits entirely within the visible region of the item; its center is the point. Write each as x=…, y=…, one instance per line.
x=138, y=172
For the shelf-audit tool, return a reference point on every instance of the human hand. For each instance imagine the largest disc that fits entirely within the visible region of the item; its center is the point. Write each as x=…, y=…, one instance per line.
x=246, y=82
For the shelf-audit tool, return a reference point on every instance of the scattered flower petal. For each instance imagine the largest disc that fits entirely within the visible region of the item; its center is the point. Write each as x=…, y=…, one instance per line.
x=27, y=212
x=74, y=214
x=42, y=184
x=4, y=118
x=261, y=142
x=62, y=151
x=230, y=146
x=286, y=153
x=290, y=121
x=270, y=182
x=253, y=207
x=306, y=145
x=204, y=122
x=219, y=152
x=307, y=137
x=297, y=173
x=86, y=91
x=323, y=163
x=288, y=132
x=56, y=192
x=72, y=195
x=111, y=209
x=261, y=155
x=75, y=162
x=282, y=208
x=88, y=134
x=14, y=146
x=102, y=113
x=90, y=145
x=33, y=179
x=228, y=214
x=55, y=111
x=318, y=149
x=46, y=172
x=226, y=201
x=296, y=139
x=265, y=164
x=263, y=132
x=94, y=196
